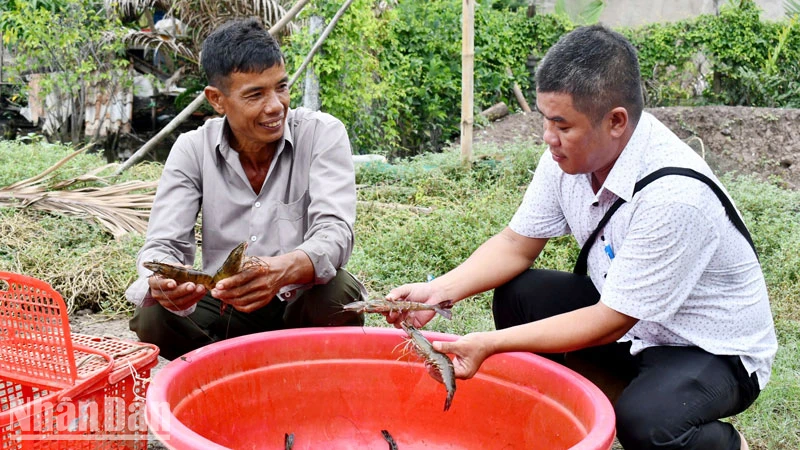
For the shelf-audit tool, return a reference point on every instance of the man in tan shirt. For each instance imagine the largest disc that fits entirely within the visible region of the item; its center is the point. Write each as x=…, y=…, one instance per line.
x=281, y=179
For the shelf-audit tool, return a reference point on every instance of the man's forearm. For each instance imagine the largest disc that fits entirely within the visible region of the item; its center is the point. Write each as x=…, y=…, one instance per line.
x=495, y=262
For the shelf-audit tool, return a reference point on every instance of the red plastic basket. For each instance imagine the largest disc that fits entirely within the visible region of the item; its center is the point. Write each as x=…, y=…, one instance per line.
x=65, y=391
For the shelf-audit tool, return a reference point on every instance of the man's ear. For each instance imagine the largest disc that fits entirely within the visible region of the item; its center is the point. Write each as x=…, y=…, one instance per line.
x=618, y=121
x=214, y=97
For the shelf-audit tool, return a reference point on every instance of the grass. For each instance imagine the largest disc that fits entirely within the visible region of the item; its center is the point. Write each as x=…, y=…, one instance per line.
x=400, y=245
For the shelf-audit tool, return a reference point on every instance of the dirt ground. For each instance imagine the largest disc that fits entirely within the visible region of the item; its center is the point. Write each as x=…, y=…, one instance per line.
x=761, y=141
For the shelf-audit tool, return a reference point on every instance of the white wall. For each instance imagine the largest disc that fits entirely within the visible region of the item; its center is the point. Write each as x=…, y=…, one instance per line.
x=640, y=12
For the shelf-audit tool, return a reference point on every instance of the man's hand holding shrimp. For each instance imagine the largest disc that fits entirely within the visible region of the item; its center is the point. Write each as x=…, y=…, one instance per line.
x=414, y=292
x=469, y=353
x=252, y=288
x=173, y=296
x=259, y=282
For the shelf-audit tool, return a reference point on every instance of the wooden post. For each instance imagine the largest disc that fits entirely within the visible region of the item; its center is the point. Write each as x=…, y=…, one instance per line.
x=467, y=68
x=518, y=92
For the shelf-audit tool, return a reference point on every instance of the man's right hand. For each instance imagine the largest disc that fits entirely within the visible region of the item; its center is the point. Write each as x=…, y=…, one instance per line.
x=173, y=296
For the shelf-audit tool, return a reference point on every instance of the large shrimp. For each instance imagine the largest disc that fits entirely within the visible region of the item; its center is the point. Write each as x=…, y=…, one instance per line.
x=233, y=264
x=387, y=306
x=181, y=274
x=439, y=361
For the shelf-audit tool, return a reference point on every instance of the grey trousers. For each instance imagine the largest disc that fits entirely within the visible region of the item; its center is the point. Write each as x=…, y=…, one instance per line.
x=320, y=306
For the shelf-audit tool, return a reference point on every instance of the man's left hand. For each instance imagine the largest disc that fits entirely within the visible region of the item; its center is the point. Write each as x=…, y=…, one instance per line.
x=470, y=351
x=251, y=289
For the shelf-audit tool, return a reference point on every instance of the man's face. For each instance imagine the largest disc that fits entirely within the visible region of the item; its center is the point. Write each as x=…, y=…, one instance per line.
x=256, y=105
x=576, y=144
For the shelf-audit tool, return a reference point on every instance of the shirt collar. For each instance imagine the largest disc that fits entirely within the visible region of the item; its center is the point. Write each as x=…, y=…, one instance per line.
x=627, y=169
x=223, y=142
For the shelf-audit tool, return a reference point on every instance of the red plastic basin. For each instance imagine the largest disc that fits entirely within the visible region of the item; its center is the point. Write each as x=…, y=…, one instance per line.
x=337, y=388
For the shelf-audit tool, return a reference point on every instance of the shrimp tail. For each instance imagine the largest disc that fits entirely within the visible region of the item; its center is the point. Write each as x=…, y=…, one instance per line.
x=446, y=313
x=443, y=309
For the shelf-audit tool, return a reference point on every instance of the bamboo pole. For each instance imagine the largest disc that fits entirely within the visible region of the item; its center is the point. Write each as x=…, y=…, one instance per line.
x=318, y=44
x=290, y=14
x=467, y=68
x=192, y=107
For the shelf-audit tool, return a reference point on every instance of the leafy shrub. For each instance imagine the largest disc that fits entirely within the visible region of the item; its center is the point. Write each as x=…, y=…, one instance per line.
x=74, y=47
x=394, y=75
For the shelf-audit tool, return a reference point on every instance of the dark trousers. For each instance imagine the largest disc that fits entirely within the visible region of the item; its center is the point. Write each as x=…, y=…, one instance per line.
x=671, y=397
x=319, y=306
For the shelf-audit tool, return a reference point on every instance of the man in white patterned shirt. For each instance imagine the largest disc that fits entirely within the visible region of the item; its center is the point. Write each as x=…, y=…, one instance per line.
x=674, y=305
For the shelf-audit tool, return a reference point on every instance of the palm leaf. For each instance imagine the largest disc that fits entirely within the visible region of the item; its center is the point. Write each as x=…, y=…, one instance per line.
x=134, y=8
x=152, y=41
x=792, y=7
x=203, y=16
x=121, y=208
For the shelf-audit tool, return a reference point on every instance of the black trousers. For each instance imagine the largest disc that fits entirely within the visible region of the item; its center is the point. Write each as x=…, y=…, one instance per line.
x=672, y=397
x=319, y=306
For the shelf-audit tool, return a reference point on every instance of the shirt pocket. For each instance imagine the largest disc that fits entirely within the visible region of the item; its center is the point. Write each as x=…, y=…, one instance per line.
x=292, y=223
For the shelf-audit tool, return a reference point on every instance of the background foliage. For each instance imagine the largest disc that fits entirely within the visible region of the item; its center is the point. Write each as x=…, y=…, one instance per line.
x=394, y=76
x=73, y=46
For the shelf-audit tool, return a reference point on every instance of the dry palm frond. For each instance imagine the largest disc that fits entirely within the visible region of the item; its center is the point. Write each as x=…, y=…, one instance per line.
x=134, y=8
x=152, y=41
x=121, y=208
x=203, y=16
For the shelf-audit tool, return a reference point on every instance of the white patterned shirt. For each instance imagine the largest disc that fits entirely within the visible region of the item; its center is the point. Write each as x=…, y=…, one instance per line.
x=679, y=265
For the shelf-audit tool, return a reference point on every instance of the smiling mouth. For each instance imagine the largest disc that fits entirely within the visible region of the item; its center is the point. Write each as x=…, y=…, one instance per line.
x=274, y=124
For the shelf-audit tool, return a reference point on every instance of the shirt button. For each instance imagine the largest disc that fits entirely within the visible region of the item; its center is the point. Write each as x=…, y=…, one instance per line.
x=258, y=205
x=253, y=238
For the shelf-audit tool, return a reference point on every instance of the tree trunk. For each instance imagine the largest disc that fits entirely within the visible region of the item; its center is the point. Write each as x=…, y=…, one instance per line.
x=311, y=98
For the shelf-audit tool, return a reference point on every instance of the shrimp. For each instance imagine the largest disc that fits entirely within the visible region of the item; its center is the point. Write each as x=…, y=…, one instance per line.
x=440, y=361
x=232, y=264
x=387, y=306
x=180, y=274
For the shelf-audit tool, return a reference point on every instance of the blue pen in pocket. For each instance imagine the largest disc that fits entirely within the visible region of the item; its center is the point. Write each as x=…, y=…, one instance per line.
x=609, y=251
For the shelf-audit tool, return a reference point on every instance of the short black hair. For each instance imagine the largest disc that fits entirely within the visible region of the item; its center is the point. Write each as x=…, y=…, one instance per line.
x=240, y=45
x=598, y=67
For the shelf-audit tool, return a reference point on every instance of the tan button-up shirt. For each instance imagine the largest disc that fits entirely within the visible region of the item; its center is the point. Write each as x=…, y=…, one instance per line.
x=307, y=202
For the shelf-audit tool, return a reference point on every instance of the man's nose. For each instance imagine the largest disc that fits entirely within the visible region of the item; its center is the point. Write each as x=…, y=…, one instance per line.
x=272, y=103
x=549, y=136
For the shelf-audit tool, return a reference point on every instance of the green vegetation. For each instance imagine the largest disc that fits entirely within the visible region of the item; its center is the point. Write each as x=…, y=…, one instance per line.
x=392, y=72
x=76, y=51
x=401, y=95
x=398, y=245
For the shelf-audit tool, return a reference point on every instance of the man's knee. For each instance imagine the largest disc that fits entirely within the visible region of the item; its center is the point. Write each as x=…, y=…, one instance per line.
x=636, y=423
x=147, y=325
x=323, y=304
x=645, y=425
x=169, y=332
